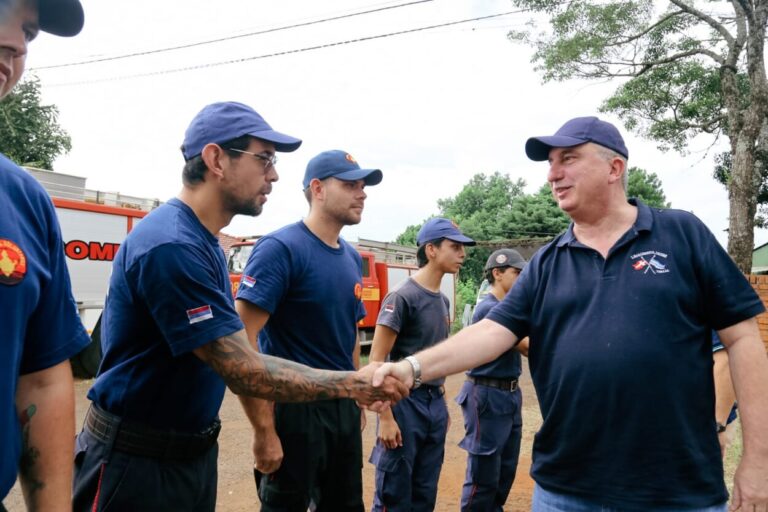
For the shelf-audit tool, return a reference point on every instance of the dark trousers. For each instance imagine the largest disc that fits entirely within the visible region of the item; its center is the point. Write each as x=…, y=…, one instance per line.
x=406, y=477
x=111, y=481
x=322, y=459
x=493, y=425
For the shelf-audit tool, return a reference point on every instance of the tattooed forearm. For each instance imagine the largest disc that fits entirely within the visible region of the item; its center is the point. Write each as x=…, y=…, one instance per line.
x=248, y=372
x=29, y=454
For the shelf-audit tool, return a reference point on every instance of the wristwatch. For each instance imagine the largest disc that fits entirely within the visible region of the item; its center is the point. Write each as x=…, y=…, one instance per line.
x=416, y=371
x=721, y=428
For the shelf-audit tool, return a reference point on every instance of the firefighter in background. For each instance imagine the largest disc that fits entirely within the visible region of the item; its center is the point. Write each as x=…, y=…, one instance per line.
x=409, y=451
x=300, y=297
x=40, y=329
x=172, y=338
x=491, y=402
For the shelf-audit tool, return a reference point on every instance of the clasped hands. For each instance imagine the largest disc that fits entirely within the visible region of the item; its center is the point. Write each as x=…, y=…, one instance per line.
x=383, y=384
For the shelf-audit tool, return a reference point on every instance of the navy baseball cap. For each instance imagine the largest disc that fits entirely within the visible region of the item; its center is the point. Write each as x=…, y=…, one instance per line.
x=60, y=17
x=574, y=133
x=505, y=258
x=221, y=122
x=439, y=227
x=340, y=165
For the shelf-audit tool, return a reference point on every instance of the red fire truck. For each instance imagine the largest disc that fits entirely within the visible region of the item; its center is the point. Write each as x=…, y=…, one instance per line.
x=384, y=266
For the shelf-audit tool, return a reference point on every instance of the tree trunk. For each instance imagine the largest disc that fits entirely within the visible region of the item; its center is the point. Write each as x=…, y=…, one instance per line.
x=742, y=195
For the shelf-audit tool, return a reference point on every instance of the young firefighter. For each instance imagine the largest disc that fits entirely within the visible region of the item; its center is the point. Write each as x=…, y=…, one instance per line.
x=411, y=437
x=491, y=402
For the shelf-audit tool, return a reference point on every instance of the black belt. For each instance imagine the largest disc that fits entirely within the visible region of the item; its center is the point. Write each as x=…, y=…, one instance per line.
x=503, y=384
x=430, y=389
x=137, y=439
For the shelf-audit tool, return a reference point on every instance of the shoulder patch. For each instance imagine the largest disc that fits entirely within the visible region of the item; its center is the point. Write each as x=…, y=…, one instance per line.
x=13, y=263
x=199, y=314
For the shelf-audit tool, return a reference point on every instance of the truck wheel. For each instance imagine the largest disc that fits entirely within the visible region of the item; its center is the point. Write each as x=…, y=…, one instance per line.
x=85, y=365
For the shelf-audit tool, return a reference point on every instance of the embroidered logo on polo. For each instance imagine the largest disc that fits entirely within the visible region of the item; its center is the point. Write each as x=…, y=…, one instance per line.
x=13, y=263
x=389, y=308
x=248, y=281
x=653, y=262
x=199, y=314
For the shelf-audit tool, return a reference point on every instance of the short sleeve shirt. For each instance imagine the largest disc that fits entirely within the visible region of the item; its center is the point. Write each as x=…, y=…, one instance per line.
x=313, y=293
x=420, y=317
x=40, y=323
x=169, y=294
x=621, y=357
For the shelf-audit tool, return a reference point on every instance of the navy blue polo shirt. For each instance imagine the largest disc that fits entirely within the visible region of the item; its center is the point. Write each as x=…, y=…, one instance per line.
x=508, y=365
x=40, y=325
x=169, y=294
x=621, y=358
x=313, y=293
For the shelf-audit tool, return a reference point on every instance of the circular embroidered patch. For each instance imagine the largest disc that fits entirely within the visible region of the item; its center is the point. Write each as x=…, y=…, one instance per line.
x=13, y=263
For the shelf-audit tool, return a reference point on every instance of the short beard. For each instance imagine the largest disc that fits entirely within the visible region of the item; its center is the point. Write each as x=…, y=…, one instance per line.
x=241, y=206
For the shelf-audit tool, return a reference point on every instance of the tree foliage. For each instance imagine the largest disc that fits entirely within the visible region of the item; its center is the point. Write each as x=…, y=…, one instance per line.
x=29, y=131
x=646, y=187
x=687, y=67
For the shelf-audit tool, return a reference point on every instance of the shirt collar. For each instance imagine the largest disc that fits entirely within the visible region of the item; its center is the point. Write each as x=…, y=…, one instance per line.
x=643, y=222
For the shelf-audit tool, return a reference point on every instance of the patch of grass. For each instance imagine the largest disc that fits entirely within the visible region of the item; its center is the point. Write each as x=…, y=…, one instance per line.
x=732, y=454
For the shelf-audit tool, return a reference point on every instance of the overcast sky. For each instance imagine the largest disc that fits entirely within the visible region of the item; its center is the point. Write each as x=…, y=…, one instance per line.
x=430, y=108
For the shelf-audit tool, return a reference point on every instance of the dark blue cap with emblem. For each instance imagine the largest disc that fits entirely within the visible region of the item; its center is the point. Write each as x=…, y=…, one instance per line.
x=340, y=165
x=221, y=122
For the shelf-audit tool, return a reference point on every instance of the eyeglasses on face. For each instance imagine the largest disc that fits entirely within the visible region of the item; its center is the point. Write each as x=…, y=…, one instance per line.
x=264, y=157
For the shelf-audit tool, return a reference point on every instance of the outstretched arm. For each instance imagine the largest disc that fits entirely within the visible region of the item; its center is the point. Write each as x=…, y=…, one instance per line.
x=246, y=372
x=472, y=346
x=45, y=403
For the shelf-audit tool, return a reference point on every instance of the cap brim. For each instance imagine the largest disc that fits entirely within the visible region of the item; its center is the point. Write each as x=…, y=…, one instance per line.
x=520, y=265
x=537, y=148
x=370, y=176
x=61, y=17
x=284, y=143
x=465, y=240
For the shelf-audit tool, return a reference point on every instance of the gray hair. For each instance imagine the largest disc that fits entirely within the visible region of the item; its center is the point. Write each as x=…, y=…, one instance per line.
x=609, y=154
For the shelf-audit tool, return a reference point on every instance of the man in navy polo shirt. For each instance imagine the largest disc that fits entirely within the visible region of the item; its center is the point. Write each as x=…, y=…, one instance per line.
x=300, y=295
x=491, y=402
x=618, y=310
x=171, y=336
x=40, y=328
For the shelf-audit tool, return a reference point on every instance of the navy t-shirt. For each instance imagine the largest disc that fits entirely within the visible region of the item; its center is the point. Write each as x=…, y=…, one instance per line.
x=621, y=358
x=508, y=365
x=313, y=293
x=40, y=325
x=169, y=294
x=420, y=317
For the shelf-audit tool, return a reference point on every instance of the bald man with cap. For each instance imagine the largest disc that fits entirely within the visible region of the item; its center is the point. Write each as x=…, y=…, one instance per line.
x=40, y=329
x=619, y=311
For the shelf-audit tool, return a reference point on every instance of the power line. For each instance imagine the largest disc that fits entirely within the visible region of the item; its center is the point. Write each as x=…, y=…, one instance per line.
x=287, y=52
x=229, y=38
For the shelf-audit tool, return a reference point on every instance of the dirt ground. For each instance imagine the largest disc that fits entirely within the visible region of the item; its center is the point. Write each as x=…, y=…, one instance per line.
x=237, y=491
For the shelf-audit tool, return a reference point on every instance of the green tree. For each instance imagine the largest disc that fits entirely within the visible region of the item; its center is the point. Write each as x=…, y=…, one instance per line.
x=646, y=187
x=29, y=131
x=694, y=67
x=537, y=216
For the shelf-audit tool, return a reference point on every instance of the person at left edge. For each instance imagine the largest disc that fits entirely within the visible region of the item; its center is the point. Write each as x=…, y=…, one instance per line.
x=40, y=327
x=172, y=338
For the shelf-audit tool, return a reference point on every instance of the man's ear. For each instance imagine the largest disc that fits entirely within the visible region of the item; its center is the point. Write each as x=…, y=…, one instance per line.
x=618, y=168
x=214, y=157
